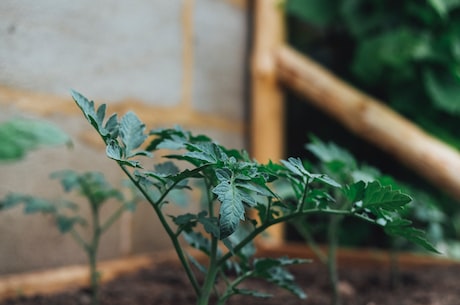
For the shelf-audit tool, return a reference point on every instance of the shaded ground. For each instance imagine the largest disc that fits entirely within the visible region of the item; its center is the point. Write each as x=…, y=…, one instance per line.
x=167, y=285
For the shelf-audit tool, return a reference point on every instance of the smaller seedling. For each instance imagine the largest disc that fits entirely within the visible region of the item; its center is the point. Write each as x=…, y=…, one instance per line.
x=339, y=164
x=67, y=216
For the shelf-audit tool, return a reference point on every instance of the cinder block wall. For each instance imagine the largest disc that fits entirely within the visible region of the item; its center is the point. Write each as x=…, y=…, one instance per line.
x=172, y=62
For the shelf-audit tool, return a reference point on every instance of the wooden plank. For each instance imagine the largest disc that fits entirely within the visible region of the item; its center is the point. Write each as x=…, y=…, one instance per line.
x=372, y=120
x=266, y=113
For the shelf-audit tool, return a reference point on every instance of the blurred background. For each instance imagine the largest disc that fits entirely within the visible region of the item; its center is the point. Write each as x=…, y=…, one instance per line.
x=172, y=62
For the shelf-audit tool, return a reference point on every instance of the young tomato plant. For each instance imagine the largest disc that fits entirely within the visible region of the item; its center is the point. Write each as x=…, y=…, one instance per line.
x=342, y=166
x=97, y=191
x=233, y=184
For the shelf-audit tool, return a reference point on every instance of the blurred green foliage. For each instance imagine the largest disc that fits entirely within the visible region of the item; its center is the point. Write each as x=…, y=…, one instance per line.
x=406, y=53
x=19, y=135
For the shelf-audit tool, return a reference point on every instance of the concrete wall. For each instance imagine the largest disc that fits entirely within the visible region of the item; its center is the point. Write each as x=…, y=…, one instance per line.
x=172, y=62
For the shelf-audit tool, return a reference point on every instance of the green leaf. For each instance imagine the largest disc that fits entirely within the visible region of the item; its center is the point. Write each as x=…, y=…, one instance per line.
x=132, y=134
x=355, y=192
x=110, y=130
x=206, y=152
x=87, y=107
x=65, y=223
x=231, y=209
x=442, y=7
x=320, y=13
x=444, y=90
x=393, y=51
x=384, y=197
x=295, y=166
x=210, y=224
x=401, y=227
x=326, y=180
x=19, y=136
x=198, y=241
x=38, y=205
x=271, y=270
x=115, y=151
x=252, y=293
x=330, y=152
x=69, y=179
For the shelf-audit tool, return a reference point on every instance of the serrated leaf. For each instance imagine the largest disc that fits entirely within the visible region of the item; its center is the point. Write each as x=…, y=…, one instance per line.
x=326, y=180
x=206, y=152
x=173, y=139
x=271, y=270
x=185, y=219
x=115, y=152
x=166, y=169
x=210, y=225
x=132, y=134
x=198, y=241
x=401, y=227
x=295, y=166
x=330, y=152
x=87, y=107
x=111, y=126
x=355, y=192
x=231, y=209
x=258, y=189
x=384, y=197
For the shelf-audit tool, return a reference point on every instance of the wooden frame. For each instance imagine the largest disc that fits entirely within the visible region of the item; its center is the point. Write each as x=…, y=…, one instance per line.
x=273, y=63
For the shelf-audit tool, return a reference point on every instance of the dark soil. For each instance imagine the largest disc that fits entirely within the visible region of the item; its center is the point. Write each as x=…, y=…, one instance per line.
x=167, y=285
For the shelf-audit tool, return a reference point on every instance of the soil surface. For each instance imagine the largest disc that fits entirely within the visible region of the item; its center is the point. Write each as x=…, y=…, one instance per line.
x=167, y=285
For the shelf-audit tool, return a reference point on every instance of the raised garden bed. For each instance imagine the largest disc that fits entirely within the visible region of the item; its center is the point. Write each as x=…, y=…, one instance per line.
x=157, y=279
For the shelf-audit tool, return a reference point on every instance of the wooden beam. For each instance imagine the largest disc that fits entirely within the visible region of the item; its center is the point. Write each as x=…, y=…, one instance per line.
x=267, y=115
x=372, y=120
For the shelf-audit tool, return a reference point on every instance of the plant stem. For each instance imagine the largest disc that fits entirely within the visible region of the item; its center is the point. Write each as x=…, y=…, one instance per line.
x=332, y=232
x=114, y=217
x=275, y=221
x=208, y=285
x=231, y=287
x=171, y=234
x=93, y=247
x=306, y=234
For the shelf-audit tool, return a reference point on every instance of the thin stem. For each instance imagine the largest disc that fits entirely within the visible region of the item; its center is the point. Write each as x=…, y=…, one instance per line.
x=93, y=247
x=210, y=279
x=213, y=268
x=114, y=217
x=78, y=239
x=172, y=236
x=334, y=224
x=306, y=234
x=272, y=222
x=304, y=196
x=231, y=287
